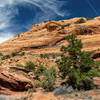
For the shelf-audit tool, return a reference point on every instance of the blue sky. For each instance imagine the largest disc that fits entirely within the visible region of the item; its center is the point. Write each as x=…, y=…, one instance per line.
x=19, y=15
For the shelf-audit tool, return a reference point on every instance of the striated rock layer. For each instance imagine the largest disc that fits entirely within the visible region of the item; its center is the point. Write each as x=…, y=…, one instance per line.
x=48, y=37
x=13, y=81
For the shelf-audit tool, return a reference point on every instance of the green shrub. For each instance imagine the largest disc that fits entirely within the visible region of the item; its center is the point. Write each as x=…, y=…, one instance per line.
x=46, y=21
x=80, y=81
x=5, y=57
x=22, y=54
x=41, y=56
x=30, y=66
x=78, y=65
x=66, y=25
x=14, y=54
x=19, y=65
x=81, y=20
x=54, y=56
x=44, y=56
x=40, y=70
x=97, y=64
x=31, y=90
x=48, y=80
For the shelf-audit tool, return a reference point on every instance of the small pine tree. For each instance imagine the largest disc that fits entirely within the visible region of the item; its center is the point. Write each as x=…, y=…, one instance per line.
x=78, y=65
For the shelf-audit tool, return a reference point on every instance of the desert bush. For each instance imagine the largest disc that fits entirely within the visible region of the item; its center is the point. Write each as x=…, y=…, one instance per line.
x=31, y=90
x=81, y=20
x=17, y=54
x=46, y=21
x=63, y=89
x=44, y=55
x=48, y=80
x=30, y=66
x=82, y=30
x=5, y=57
x=97, y=64
x=22, y=54
x=54, y=56
x=19, y=65
x=66, y=25
x=40, y=70
x=78, y=65
x=14, y=54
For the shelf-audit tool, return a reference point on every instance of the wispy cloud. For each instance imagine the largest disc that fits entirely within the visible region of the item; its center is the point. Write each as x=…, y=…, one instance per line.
x=92, y=7
x=8, y=11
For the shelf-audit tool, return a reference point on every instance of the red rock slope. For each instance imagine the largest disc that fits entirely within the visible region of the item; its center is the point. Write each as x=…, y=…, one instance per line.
x=49, y=36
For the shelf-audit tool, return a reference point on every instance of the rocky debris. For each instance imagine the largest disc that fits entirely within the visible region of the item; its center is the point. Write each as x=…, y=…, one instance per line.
x=51, y=26
x=4, y=97
x=97, y=81
x=14, y=82
x=31, y=75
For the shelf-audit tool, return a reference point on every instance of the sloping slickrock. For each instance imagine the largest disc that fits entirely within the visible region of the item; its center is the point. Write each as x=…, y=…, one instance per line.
x=52, y=33
x=14, y=82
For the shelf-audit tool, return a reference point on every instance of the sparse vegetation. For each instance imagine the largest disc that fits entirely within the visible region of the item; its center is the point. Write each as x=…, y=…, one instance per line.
x=84, y=30
x=79, y=66
x=66, y=25
x=31, y=90
x=14, y=54
x=54, y=56
x=5, y=57
x=22, y=54
x=48, y=80
x=40, y=70
x=17, y=54
x=19, y=65
x=44, y=55
x=30, y=66
x=81, y=20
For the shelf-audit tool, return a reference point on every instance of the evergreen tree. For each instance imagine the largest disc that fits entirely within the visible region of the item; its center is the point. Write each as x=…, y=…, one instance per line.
x=77, y=64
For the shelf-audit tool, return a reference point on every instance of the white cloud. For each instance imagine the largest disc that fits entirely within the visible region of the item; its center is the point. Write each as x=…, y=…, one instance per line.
x=5, y=37
x=8, y=10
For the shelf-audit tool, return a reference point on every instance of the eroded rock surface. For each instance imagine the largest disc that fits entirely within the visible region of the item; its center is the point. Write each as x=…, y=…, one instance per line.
x=48, y=37
x=14, y=82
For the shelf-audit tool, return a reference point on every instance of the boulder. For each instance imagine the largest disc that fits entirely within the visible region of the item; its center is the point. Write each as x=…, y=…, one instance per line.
x=14, y=82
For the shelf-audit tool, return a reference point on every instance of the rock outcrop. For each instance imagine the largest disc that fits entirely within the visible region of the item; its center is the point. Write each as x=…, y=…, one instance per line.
x=97, y=81
x=14, y=82
x=49, y=36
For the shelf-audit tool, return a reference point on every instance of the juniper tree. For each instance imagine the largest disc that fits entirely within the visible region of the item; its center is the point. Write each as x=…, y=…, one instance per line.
x=77, y=64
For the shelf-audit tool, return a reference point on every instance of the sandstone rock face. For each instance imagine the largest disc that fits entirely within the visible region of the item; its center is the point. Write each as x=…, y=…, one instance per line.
x=95, y=54
x=49, y=37
x=14, y=82
x=97, y=81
